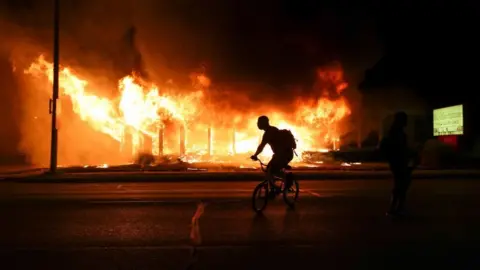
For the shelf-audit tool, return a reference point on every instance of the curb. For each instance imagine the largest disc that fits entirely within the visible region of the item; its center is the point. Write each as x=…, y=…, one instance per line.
x=18, y=172
x=230, y=176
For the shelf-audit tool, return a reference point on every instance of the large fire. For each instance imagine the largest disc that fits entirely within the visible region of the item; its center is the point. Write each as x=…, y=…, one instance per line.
x=143, y=117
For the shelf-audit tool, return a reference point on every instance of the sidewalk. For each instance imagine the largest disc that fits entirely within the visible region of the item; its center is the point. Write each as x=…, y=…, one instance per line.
x=19, y=170
x=188, y=176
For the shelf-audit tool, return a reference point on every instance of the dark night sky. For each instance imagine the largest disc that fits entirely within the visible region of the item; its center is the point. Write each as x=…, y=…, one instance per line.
x=279, y=42
x=432, y=49
x=430, y=46
x=426, y=45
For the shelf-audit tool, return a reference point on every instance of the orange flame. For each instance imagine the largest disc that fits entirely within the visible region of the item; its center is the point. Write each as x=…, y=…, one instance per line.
x=143, y=112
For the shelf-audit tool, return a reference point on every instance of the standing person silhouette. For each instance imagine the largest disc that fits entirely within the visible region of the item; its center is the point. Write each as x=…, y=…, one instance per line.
x=395, y=148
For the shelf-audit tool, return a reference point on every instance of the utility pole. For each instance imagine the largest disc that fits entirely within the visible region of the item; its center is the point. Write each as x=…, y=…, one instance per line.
x=53, y=101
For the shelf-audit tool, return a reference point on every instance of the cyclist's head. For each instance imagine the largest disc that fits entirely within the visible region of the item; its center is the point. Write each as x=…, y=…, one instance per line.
x=263, y=122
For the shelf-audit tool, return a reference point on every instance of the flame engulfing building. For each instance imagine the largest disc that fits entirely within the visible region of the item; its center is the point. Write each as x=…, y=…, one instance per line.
x=200, y=122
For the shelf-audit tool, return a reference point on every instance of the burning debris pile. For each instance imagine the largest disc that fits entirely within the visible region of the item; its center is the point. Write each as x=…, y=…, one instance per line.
x=196, y=125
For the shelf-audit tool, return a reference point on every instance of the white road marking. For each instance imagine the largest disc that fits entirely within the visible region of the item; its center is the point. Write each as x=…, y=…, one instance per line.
x=195, y=235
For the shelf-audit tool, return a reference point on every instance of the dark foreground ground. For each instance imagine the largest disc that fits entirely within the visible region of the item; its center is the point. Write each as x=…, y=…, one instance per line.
x=336, y=225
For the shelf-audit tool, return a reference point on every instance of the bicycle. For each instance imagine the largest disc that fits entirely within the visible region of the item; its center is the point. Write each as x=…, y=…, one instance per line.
x=271, y=189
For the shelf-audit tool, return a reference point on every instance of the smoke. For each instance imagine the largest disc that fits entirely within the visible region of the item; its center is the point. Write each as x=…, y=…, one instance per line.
x=104, y=41
x=9, y=114
x=380, y=103
x=99, y=48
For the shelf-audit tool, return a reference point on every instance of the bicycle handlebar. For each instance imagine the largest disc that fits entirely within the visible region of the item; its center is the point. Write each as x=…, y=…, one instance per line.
x=262, y=165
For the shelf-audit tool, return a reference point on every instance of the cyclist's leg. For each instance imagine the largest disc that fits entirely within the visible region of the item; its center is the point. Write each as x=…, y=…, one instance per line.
x=274, y=168
x=275, y=165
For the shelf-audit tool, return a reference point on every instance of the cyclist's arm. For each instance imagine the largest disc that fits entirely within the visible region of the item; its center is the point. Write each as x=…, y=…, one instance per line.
x=262, y=145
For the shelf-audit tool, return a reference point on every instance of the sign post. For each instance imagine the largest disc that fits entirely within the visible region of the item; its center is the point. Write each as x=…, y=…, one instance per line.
x=448, y=121
x=53, y=101
x=448, y=124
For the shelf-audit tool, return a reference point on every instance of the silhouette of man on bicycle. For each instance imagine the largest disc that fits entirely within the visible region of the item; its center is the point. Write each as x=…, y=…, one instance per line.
x=283, y=145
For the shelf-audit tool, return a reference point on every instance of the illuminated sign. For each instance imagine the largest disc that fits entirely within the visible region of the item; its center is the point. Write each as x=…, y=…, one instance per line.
x=448, y=121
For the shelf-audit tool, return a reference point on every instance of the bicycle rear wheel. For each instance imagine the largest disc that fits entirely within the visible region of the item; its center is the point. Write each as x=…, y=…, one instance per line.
x=290, y=195
x=260, y=197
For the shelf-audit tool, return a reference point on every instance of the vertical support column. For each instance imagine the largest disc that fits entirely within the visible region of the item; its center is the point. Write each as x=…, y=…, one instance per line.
x=336, y=139
x=136, y=141
x=160, y=141
x=147, y=146
x=53, y=101
x=126, y=144
x=182, y=139
x=234, y=144
x=209, y=145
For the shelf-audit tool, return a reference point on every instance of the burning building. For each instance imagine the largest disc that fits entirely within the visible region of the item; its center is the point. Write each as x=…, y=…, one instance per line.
x=201, y=123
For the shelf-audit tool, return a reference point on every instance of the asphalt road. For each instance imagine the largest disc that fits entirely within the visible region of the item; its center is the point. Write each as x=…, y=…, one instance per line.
x=336, y=225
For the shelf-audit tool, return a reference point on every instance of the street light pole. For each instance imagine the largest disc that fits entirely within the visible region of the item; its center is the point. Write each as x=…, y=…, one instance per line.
x=53, y=101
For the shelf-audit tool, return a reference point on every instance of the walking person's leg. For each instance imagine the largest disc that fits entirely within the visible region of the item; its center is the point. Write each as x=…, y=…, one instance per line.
x=395, y=193
x=405, y=185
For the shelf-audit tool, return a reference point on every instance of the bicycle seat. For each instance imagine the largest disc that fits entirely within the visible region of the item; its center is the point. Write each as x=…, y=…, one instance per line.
x=288, y=167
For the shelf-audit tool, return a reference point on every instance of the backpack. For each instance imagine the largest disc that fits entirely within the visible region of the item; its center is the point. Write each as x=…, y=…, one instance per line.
x=286, y=138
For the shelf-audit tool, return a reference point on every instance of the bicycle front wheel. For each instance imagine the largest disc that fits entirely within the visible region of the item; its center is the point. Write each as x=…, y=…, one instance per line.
x=260, y=197
x=290, y=195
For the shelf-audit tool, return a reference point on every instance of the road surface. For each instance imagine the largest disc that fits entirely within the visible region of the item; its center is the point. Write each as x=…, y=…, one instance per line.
x=336, y=225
